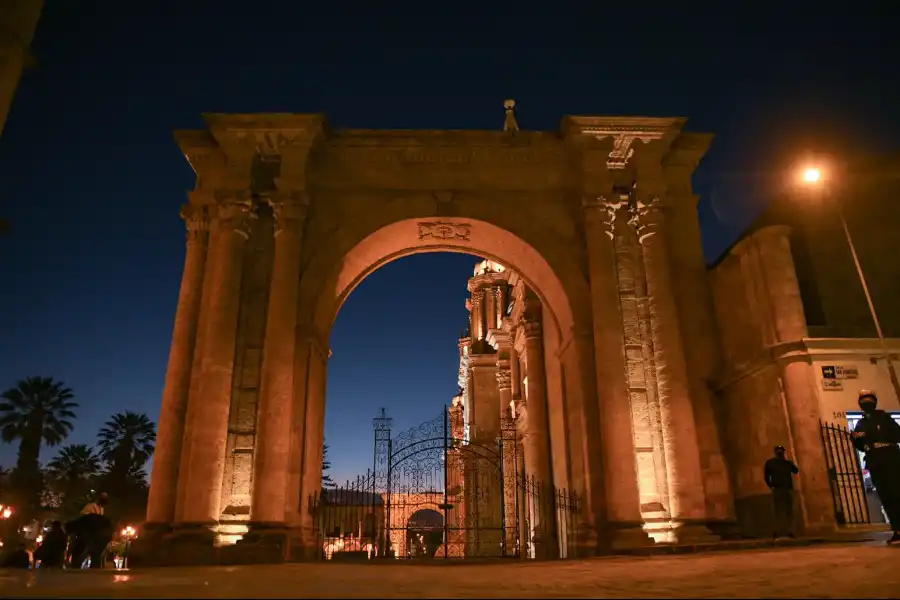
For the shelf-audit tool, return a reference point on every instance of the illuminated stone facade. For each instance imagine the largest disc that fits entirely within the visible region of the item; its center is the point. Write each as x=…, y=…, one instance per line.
x=604, y=360
x=17, y=25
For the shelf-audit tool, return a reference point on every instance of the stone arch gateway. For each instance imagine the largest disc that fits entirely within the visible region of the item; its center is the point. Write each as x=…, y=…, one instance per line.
x=287, y=216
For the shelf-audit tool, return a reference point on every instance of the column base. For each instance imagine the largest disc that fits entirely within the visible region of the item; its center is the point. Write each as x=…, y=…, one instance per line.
x=623, y=536
x=149, y=549
x=690, y=532
x=268, y=543
x=587, y=542
x=181, y=544
x=546, y=547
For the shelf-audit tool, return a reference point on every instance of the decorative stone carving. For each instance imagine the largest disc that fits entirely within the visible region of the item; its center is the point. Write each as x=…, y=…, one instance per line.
x=289, y=209
x=444, y=231
x=237, y=212
x=196, y=219
x=504, y=379
x=607, y=210
x=647, y=217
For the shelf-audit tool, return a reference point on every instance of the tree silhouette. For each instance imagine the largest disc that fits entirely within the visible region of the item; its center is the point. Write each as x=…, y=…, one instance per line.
x=327, y=482
x=37, y=411
x=71, y=474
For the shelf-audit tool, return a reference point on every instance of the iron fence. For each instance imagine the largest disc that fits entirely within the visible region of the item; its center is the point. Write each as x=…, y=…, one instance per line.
x=431, y=495
x=848, y=488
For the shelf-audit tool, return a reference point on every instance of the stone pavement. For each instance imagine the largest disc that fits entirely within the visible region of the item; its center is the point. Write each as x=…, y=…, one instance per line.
x=870, y=570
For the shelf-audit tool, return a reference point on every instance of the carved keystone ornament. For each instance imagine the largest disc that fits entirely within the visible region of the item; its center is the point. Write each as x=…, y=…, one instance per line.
x=444, y=231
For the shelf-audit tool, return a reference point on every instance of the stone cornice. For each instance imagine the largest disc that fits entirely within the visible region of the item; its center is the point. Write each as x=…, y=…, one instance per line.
x=498, y=338
x=688, y=150
x=807, y=350
x=265, y=133
x=486, y=279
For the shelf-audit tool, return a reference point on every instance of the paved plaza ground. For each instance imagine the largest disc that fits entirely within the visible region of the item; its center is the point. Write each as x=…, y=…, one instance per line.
x=870, y=570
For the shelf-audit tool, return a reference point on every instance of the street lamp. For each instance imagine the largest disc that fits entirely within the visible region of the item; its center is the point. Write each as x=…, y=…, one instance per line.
x=129, y=533
x=813, y=178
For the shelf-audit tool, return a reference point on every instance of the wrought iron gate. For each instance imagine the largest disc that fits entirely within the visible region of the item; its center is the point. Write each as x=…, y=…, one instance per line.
x=430, y=495
x=845, y=472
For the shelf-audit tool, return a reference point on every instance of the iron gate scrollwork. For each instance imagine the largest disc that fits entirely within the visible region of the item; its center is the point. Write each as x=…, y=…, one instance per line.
x=433, y=495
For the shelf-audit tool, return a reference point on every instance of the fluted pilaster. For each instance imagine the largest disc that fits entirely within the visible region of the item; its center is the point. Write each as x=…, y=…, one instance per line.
x=613, y=404
x=687, y=504
x=208, y=416
x=273, y=448
x=170, y=429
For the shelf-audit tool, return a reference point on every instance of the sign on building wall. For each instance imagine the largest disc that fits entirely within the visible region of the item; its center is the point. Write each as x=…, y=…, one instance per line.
x=839, y=372
x=833, y=385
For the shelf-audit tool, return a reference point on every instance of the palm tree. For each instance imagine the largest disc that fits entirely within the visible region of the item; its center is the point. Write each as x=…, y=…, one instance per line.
x=37, y=410
x=73, y=468
x=126, y=443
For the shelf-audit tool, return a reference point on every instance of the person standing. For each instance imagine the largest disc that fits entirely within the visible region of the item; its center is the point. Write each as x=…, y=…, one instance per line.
x=877, y=435
x=779, y=476
x=92, y=531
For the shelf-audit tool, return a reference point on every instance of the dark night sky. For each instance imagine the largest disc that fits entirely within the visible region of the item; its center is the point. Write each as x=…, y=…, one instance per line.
x=92, y=179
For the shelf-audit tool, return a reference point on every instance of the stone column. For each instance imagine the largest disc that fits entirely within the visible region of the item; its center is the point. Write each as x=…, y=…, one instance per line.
x=314, y=427
x=272, y=457
x=170, y=430
x=537, y=441
x=687, y=503
x=475, y=320
x=208, y=417
x=625, y=523
x=515, y=375
x=507, y=445
x=788, y=324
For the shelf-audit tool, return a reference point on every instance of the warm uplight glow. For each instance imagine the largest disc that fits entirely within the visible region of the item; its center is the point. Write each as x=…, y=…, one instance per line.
x=812, y=175
x=128, y=532
x=5, y=512
x=39, y=539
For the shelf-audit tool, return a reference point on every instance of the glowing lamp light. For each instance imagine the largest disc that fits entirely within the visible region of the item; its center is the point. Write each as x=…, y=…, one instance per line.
x=39, y=539
x=5, y=511
x=812, y=175
x=128, y=532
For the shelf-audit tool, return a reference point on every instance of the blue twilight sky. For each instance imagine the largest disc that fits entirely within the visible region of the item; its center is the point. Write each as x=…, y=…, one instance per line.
x=92, y=180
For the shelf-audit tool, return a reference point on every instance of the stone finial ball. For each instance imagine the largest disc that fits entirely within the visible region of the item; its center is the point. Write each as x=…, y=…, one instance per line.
x=509, y=104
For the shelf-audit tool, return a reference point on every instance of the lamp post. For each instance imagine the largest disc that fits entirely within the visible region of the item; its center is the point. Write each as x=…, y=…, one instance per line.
x=814, y=179
x=129, y=533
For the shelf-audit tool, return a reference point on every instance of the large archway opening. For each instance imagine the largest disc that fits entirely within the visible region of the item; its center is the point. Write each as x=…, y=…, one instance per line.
x=489, y=441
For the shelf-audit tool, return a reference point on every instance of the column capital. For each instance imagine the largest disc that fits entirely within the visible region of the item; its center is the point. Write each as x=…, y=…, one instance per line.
x=504, y=379
x=605, y=209
x=647, y=217
x=531, y=328
x=477, y=297
x=235, y=211
x=521, y=418
x=289, y=209
x=196, y=219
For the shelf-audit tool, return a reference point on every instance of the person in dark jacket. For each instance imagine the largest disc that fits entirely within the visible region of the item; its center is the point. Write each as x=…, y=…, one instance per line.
x=877, y=435
x=18, y=558
x=52, y=551
x=779, y=476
